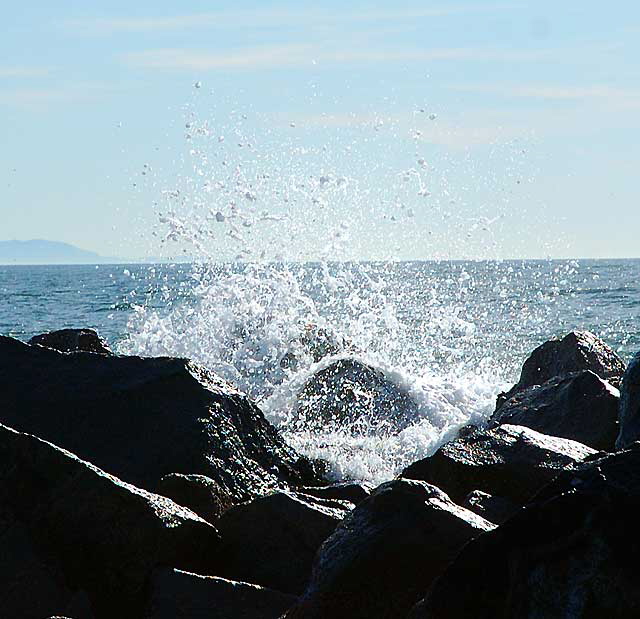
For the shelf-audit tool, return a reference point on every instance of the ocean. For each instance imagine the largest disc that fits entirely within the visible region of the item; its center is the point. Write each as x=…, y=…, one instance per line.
x=451, y=334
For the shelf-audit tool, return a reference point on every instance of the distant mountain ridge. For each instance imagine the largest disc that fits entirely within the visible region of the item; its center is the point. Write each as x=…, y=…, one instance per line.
x=39, y=251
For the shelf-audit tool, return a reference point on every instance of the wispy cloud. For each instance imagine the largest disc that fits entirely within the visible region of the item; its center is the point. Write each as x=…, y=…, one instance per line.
x=269, y=18
x=541, y=91
x=9, y=72
x=300, y=55
x=439, y=133
x=602, y=93
x=68, y=93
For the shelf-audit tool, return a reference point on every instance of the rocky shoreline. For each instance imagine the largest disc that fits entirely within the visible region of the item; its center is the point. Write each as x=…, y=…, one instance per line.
x=151, y=488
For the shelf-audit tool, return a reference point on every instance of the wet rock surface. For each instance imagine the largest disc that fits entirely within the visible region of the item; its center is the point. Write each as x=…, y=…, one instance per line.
x=576, y=351
x=75, y=528
x=383, y=556
x=630, y=405
x=570, y=553
x=72, y=340
x=353, y=395
x=579, y=406
x=199, y=493
x=175, y=594
x=512, y=462
x=492, y=508
x=144, y=418
x=272, y=540
x=346, y=491
x=502, y=521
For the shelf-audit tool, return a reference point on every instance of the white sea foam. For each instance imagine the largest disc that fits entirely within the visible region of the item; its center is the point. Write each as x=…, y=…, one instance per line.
x=245, y=325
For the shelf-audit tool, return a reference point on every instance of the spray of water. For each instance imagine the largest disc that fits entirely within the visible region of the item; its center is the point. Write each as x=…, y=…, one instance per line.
x=273, y=218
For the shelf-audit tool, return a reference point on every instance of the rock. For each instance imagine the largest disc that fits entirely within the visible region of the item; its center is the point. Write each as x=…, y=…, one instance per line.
x=492, y=508
x=72, y=340
x=342, y=491
x=199, y=493
x=144, y=418
x=512, y=462
x=579, y=406
x=571, y=553
x=384, y=555
x=176, y=594
x=355, y=396
x=630, y=405
x=576, y=351
x=89, y=530
x=314, y=343
x=271, y=541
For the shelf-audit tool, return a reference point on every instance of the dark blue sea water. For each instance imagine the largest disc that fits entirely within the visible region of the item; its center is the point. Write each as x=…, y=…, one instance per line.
x=527, y=300
x=451, y=333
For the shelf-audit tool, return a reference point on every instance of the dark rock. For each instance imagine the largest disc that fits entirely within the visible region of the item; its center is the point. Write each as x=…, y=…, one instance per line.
x=576, y=351
x=492, y=508
x=512, y=462
x=572, y=553
x=355, y=396
x=199, y=493
x=342, y=491
x=314, y=343
x=630, y=405
x=72, y=340
x=91, y=531
x=385, y=554
x=180, y=595
x=271, y=541
x=579, y=406
x=142, y=419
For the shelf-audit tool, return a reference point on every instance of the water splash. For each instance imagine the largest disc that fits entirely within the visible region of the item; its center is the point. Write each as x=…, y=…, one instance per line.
x=271, y=197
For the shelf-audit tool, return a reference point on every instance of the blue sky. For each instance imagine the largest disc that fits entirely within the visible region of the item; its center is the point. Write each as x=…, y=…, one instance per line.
x=441, y=130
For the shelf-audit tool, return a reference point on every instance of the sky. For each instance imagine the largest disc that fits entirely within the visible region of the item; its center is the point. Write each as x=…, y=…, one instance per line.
x=395, y=130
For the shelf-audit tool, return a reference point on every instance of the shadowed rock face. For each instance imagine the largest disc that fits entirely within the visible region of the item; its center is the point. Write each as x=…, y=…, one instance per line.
x=630, y=405
x=176, y=594
x=492, y=508
x=197, y=492
x=84, y=530
x=142, y=418
x=512, y=462
x=356, y=396
x=72, y=340
x=271, y=541
x=571, y=553
x=578, y=350
x=384, y=555
x=342, y=491
x=579, y=406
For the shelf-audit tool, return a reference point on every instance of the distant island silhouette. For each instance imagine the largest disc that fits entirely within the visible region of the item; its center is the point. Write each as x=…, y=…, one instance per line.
x=40, y=251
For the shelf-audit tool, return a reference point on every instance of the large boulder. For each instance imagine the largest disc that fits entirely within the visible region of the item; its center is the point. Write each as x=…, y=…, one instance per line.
x=384, y=555
x=351, y=491
x=72, y=340
x=570, y=554
x=143, y=418
x=579, y=406
x=630, y=405
x=67, y=527
x=312, y=344
x=271, y=541
x=512, y=462
x=492, y=508
x=197, y=492
x=354, y=396
x=176, y=594
x=576, y=351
